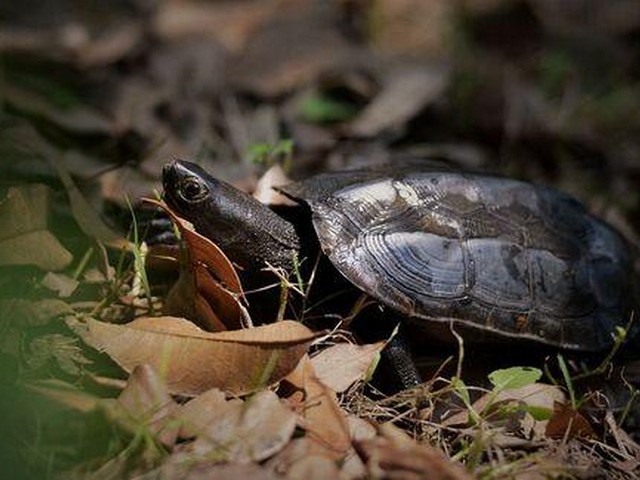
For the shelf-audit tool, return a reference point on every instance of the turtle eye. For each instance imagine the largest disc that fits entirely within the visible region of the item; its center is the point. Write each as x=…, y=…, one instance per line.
x=193, y=189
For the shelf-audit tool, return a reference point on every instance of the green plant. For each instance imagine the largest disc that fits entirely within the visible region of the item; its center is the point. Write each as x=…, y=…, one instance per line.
x=269, y=154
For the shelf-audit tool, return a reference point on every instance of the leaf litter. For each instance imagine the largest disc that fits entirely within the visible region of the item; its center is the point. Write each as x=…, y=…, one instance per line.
x=274, y=401
x=192, y=360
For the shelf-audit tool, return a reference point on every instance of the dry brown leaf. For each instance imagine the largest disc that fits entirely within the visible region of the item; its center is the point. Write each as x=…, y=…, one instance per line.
x=81, y=118
x=402, y=459
x=230, y=23
x=88, y=37
x=567, y=422
x=146, y=399
x=33, y=313
x=407, y=92
x=87, y=218
x=313, y=467
x=265, y=193
x=341, y=365
x=40, y=249
x=184, y=467
x=193, y=361
x=250, y=431
x=63, y=285
x=321, y=416
x=414, y=27
x=198, y=412
x=296, y=449
x=24, y=238
x=209, y=290
x=106, y=49
x=116, y=413
x=301, y=41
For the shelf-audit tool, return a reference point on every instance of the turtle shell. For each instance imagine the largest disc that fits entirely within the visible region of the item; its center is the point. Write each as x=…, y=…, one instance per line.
x=498, y=254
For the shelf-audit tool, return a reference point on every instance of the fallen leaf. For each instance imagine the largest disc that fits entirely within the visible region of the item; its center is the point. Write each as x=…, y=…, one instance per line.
x=321, y=416
x=301, y=41
x=33, y=313
x=401, y=458
x=146, y=399
x=40, y=249
x=209, y=289
x=70, y=397
x=231, y=24
x=62, y=349
x=92, y=37
x=63, y=285
x=198, y=412
x=185, y=467
x=299, y=447
x=313, y=467
x=265, y=192
x=303, y=447
x=106, y=49
x=406, y=93
x=250, y=431
x=415, y=28
x=24, y=238
x=87, y=218
x=567, y=422
x=193, y=361
x=79, y=118
x=341, y=365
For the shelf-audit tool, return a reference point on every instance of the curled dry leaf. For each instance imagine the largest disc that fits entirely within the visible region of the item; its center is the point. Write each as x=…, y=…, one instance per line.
x=24, y=238
x=321, y=416
x=341, y=365
x=193, y=361
x=253, y=430
x=209, y=290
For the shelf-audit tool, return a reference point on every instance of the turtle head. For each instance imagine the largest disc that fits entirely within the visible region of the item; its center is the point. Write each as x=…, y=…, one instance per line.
x=250, y=233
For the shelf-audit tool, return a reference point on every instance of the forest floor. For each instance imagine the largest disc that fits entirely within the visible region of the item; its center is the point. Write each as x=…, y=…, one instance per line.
x=98, y=381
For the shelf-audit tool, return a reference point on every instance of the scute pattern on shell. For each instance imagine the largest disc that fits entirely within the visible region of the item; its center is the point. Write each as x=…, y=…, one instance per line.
x=488, y=252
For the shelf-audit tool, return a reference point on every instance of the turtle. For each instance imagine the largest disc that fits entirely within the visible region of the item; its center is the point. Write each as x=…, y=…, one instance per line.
x=500, y=258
